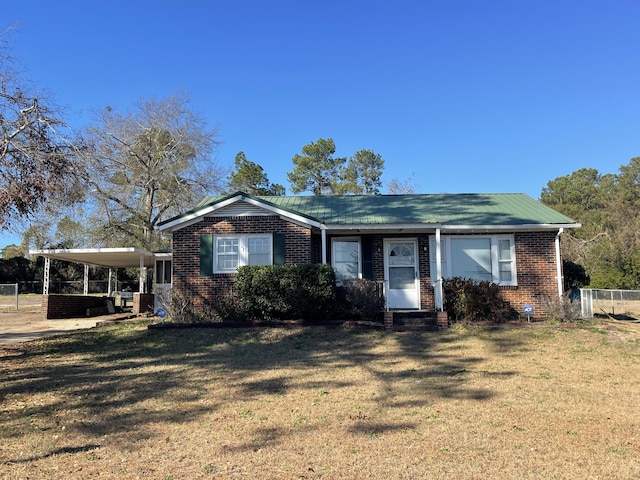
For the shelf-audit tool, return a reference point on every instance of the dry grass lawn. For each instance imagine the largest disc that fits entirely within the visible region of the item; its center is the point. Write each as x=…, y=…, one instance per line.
x=539, y=402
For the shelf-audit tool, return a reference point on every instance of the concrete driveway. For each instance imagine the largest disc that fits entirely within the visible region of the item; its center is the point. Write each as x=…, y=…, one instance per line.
x=17, y=327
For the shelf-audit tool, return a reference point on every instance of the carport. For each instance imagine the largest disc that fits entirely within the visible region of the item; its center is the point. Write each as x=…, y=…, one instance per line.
x=112, y=258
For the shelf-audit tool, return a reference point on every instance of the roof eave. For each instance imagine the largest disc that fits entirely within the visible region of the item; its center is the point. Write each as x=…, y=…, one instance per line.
x=196, y=215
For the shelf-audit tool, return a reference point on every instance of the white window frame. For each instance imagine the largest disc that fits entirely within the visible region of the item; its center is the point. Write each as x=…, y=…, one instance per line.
x=163, y=272
x=445, y=242
x=336, y=240
x=243, y=250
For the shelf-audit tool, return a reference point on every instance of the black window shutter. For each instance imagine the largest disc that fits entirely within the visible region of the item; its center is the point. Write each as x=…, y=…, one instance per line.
x=206, y=255
x=279, y=256
x=366, y=243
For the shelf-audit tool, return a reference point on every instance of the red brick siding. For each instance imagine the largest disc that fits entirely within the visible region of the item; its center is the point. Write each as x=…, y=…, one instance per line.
x=69, y=306
x=143, y=302
x=536, y=269
x=186, y=252
x=535, y=265
x=535, y=260
x=426, y=290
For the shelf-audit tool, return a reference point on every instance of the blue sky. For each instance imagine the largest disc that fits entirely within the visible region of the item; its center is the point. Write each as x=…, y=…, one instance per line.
x=466, y=96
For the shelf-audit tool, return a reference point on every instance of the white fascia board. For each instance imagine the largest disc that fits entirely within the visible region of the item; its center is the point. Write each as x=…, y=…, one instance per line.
x=107, y=257
x=369, y=227
x=197, y=216
x=417, y=227
x=55, y=251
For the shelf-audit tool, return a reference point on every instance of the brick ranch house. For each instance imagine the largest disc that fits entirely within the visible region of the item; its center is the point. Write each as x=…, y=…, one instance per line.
x=406, y=242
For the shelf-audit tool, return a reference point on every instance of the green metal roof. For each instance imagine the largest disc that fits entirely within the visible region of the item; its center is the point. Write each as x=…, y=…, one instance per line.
x=444, y=209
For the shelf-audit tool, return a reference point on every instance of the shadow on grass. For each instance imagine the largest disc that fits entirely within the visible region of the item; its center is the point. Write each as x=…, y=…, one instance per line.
x=122, y=380
x=58, y=451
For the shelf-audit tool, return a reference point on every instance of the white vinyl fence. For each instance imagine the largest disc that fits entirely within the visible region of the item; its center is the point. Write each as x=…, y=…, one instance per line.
x=595, y=301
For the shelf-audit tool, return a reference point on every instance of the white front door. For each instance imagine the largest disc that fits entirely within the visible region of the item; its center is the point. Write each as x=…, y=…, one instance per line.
x=402, y=284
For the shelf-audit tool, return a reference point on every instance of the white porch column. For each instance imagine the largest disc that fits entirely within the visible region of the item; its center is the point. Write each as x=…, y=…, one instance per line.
x=439, y=293
x=85, y=288
x=45, y=282
x=559, y=264
x=323, y=234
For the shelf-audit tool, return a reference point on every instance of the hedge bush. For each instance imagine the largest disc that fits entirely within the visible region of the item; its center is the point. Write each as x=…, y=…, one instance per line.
x=473, y=300
x=291, y=291
x=360, y=299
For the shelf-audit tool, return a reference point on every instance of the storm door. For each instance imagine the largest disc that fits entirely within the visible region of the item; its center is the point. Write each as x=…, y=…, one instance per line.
x=402, y=285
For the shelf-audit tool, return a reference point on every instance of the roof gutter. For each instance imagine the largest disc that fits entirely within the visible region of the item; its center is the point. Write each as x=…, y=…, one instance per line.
x=416, y=227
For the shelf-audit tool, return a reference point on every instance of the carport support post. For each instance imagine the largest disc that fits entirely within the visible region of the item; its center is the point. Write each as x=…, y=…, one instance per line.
x=109, y=286
x=143, y=275
x=45, y=282
x=85, y=290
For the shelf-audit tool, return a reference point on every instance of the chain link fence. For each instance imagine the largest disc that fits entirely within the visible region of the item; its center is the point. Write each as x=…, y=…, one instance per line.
x=614, y=303
x=8, y=296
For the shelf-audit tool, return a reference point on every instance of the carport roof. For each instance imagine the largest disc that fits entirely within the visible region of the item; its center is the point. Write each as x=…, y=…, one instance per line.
x=105, y=257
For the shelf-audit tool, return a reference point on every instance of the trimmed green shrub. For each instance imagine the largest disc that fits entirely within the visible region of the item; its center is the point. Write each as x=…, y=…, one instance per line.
x=290, y=291
x=473, y=300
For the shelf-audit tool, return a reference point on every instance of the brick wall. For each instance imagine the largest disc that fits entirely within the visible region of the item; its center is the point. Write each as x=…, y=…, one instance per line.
x=143, y=302
x=537, y=273
x=186, y=252
x=535, y=260
x=535, y=266
x=72, y=306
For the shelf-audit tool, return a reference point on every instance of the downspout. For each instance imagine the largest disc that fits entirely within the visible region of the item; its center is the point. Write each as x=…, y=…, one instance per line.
x=559, y=264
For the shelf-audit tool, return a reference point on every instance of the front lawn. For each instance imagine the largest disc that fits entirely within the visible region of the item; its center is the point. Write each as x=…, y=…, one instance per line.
x=324, y=402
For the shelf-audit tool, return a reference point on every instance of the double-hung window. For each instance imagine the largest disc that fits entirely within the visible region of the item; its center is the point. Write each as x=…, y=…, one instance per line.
x=491, y=258
x=163, y=271
x=346, y=259
x=233, y=251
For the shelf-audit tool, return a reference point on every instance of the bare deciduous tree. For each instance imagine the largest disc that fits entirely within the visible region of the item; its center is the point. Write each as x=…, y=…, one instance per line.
x=37, y=159
x=146, y=165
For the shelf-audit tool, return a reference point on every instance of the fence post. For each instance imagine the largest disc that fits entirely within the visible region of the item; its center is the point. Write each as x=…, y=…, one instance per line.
x=16, y=297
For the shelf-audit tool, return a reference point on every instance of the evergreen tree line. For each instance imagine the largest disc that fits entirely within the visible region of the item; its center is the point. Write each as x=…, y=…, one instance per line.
x=605, y=251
